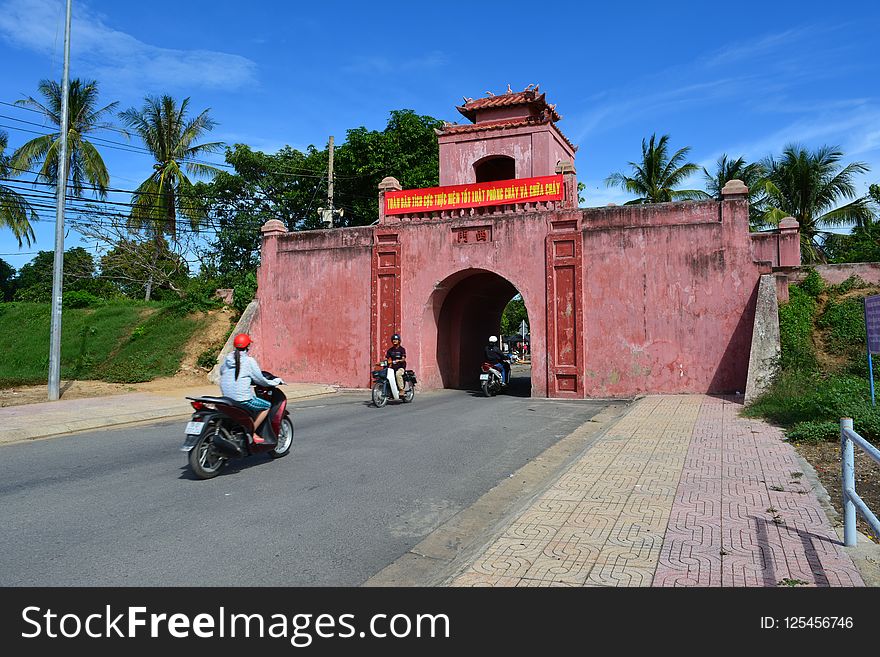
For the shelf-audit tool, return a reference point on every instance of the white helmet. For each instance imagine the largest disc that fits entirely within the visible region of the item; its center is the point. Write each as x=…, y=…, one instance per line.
x=492, y=338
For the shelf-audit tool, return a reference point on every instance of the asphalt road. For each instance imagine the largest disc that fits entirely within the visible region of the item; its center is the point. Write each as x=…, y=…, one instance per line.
x=360, y=487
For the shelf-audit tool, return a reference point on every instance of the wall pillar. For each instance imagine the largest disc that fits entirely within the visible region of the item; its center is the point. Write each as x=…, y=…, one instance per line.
x=386, y=302
x=388, y=184
x=569, y=183
x=789, y=243
x=565, y=316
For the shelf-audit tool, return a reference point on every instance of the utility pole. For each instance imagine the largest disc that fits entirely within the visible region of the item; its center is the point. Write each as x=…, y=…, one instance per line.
x=58, y=266
x=328, y=213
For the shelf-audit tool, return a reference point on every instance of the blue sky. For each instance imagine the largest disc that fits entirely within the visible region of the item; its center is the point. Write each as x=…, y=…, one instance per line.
x=742, y=79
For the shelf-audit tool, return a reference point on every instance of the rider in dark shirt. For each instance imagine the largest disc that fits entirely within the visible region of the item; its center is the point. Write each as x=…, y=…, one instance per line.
x=396, y=357
x=496, y=357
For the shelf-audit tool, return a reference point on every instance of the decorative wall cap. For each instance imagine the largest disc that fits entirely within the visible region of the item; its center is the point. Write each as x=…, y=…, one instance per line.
x=390, y=184
x=273, y=226
x=789, y=223
x=734, y=187
x=565, y=166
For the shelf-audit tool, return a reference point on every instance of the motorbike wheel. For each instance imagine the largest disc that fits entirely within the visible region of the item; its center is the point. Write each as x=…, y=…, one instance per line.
x=380, y=397
x=409, y=394
x=487, y=389
x=285, y=439
x=205, y=460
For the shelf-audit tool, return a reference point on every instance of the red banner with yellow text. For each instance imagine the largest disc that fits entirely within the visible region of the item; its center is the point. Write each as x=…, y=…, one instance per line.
x=453, y=197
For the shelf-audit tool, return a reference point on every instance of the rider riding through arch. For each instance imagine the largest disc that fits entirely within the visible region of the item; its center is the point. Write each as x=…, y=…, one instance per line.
x=498, y=359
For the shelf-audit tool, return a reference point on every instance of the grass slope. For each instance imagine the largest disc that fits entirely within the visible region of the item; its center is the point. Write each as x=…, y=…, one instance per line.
x=124, y=342
x=823, y=372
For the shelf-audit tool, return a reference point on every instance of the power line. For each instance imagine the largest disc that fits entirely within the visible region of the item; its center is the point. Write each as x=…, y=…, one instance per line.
x=293, y=171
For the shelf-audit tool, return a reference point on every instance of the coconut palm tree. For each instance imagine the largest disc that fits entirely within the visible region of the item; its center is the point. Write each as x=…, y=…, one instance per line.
x=15, y=212
x=752, y=175
x=808, y=186
x=170, y=137
x=84, y=162
x=657, y=175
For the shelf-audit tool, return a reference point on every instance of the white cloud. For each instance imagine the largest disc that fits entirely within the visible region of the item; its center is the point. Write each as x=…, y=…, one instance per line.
x=761, y=46
x=116, y=58
x=765, y=68
x=381, y=65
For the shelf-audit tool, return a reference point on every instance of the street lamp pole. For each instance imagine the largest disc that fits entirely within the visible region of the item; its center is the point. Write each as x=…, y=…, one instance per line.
x=58, y=266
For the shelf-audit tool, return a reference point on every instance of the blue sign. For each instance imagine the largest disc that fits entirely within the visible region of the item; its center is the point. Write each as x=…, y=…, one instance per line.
x=872, y=323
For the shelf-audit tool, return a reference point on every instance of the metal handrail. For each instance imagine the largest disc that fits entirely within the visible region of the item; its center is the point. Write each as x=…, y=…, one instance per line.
x=851, y=501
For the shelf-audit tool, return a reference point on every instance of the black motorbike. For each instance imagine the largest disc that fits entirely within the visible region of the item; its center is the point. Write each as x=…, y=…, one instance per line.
x=220, y=427
x=382, y=388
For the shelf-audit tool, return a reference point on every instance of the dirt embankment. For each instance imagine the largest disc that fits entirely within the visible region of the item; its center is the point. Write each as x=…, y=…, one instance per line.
x=212, y=336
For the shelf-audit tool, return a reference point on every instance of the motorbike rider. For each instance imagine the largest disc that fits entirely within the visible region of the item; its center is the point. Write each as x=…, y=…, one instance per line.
x=396, y=357
x=238, y=373
x=495, y=357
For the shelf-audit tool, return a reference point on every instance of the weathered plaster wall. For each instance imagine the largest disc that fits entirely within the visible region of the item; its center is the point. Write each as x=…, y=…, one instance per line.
x=314, y=294
x=669, y=294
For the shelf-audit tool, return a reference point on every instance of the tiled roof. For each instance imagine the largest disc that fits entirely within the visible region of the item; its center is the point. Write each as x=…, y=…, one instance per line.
x=528, y=97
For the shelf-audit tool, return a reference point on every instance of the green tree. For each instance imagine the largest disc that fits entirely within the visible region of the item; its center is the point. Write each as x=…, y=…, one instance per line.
x=655, y=178
x=7, y=280
x=34, y=280
x=861, y=245
x=290, y=185
x=406, y=149
x=287, y=185
x=808, y=185
x=170, y=136
x=84, y=162
x=753, y=175
x=133, y=263
x=513, y=316
x=15, y=212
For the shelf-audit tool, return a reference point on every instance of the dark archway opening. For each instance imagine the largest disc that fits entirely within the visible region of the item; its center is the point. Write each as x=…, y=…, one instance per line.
x=495, y=167
x=471, y=311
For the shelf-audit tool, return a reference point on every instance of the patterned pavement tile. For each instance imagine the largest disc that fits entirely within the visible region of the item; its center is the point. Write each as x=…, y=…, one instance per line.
x=533, y=583
x=475, y=579
x=681, y=491
x=557, y=569
x=549, y=512
x=501, y=566
x=521, y=530
x=619, y=574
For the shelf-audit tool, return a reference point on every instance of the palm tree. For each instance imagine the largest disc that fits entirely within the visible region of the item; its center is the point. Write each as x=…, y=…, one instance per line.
x=170, y=136
x=808, y=186
x=15, y=212
x=655, y=178
x=84, y=163
x=752, y=175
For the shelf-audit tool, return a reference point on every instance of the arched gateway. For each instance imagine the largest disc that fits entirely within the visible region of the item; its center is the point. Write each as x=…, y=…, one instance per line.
x=621, y=300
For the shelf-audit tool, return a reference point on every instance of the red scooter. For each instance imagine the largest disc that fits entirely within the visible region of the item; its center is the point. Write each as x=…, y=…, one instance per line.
x=220, y=430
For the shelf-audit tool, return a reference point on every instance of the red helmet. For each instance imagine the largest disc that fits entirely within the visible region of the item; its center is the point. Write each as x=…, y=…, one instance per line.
x=242, y=340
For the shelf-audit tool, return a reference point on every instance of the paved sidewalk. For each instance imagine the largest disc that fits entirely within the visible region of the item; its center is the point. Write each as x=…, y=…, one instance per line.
x=680, y=491
x=45, y=419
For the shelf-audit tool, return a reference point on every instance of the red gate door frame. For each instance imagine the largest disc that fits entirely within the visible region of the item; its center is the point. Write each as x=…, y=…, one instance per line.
x=385, y=302
x=565, y=316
